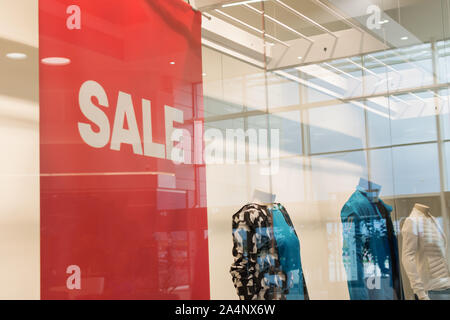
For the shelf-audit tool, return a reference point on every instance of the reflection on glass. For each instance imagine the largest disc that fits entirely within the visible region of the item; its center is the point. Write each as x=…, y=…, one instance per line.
x=281, y=92
x=334, y=175
x=289, y=126
x=289, y=181
x=381, y=170
x=408, y=118
x=416, y=169
x=335, y=128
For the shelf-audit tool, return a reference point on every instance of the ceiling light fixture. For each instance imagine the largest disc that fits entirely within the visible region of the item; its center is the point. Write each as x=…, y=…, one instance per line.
x=338, y=15
x=172, y=62
x=341, y=71
x=384, y=21
x=301, y=35
x=384, y=64
x=327, y=92
x=362, y=67
x=55, y=61
x=404, y=38
x=251, y=27
x=16, y=55
x=240, y=3
x=301, y=15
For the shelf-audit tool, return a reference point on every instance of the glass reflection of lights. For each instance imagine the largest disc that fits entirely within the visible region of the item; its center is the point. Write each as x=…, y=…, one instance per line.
x=56, y=61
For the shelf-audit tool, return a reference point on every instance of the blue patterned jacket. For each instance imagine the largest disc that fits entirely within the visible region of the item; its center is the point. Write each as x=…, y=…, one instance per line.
x=370, y=250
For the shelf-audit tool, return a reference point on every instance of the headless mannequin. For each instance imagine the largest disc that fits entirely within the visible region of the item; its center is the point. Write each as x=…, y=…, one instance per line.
x=422, y=208
x=426, y=211
x=372, y=189
x=263, y=198
x=372, y=193
x=268, y=200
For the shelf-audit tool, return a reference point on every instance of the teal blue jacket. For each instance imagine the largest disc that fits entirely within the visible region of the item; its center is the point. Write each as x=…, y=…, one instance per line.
x=370, y=253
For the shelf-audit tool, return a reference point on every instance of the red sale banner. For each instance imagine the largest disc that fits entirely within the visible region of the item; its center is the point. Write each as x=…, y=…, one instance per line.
x=123, y=195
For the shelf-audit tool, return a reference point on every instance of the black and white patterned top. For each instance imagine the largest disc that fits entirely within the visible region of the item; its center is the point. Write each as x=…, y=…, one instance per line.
x=256, y=270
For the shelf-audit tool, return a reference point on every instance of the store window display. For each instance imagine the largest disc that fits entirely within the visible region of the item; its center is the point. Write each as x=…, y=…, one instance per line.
x=424, y=255
x=350, y=100
x=370, y=248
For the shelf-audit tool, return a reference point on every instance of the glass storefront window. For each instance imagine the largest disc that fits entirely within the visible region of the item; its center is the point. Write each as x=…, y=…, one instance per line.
x=210, y=149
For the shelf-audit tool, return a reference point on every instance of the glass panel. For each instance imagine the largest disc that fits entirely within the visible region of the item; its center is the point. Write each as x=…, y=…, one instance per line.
x=447, y=165
x=282, y=92
x=379, y=123
x=416, y=169
x=336, y=174
x=334, y=128
x=327, y=122
x=289, y=129
x=442, y=101
x=412, y=119
x=288, y=180
x=381, y=170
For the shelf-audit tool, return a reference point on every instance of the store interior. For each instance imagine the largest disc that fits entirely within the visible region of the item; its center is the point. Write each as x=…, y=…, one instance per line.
x=352, y=92
x=377, y=109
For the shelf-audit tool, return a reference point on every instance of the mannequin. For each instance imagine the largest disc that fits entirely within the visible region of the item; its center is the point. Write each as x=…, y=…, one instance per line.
x=266, y=251
x=422, y=208
x=263, y=198
x=369, y=232
x=424, y=255
x=371, y=188
x=268, y=200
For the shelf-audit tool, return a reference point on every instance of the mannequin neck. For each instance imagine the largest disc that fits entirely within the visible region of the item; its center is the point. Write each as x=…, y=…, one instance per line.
x=371, y=189
x=263, y=198
x=264, y=204
x=422, y=208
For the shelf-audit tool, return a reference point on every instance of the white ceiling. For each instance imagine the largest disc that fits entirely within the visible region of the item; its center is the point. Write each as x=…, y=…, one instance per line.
x=333, y=23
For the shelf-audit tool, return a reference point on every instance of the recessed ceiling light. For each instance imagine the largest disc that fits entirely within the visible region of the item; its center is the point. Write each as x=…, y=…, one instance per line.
x=204, y=74
x=16, y=55
x=404, y=38
x=300, y=57
x=55, y=61
x=384, y=21
x=172, y=62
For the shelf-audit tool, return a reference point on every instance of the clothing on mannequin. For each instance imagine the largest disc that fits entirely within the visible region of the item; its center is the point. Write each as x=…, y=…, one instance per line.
x=424, y=254
x=266, y=251
x=370, y=248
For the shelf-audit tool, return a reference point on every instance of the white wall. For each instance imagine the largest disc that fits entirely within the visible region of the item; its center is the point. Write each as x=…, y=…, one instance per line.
x=19, y=157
